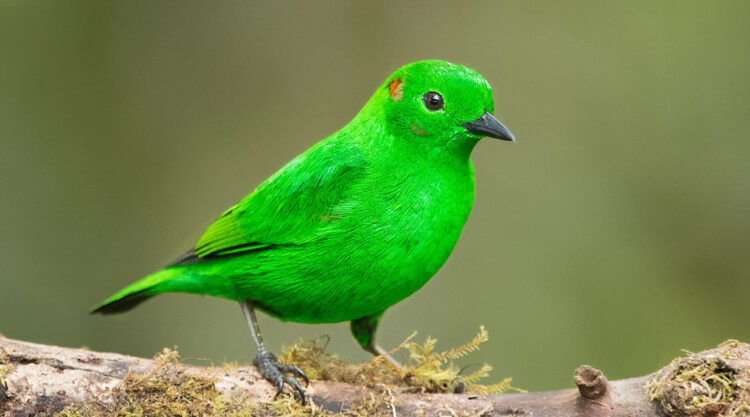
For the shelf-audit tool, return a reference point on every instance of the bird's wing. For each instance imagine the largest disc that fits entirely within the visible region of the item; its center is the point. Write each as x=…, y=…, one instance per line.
x=289, y=207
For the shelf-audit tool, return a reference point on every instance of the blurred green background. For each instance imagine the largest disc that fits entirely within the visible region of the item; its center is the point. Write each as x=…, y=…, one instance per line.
x=615, y=232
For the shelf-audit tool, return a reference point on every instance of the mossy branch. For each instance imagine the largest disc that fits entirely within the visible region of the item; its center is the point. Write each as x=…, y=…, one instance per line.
x=48, y=380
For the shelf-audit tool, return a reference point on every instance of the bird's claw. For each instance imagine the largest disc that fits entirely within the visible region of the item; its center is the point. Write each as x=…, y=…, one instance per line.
x=273, y=371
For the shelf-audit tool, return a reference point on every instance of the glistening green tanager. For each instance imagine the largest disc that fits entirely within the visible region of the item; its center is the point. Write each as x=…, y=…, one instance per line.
x=354, y=224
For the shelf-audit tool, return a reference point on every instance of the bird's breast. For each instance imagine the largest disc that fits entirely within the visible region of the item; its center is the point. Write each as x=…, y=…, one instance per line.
x=403, y=227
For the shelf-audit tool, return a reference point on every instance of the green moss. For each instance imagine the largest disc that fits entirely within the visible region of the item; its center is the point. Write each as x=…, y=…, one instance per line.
x=4, y=371
x=425, y=370
x=312, y=358
x=72, y=412
x=743, y=410
x=695, y=385
x=167, y=390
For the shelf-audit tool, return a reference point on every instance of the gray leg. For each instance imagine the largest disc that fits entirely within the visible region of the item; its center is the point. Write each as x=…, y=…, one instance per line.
x=249, y=312
x=266, y=362
x=364, y=331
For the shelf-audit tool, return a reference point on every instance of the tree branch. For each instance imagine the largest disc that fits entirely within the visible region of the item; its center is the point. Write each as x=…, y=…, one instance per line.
x=38, y=379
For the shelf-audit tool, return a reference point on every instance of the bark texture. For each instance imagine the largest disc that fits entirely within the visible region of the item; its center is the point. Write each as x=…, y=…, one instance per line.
x=37, y=379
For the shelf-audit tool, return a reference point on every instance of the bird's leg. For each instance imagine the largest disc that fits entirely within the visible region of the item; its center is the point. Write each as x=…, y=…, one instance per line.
x=266, y=362
x=364, y=331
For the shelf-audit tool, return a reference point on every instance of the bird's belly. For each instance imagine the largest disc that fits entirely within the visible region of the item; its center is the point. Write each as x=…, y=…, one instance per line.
x=368, y=258
x=349, y=281
x=360, y=274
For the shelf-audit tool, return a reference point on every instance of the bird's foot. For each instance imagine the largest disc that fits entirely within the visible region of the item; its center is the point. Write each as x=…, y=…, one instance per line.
x=273, y=372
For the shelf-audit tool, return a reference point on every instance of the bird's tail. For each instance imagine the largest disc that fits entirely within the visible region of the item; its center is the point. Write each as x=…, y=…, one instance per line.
x=137, y=292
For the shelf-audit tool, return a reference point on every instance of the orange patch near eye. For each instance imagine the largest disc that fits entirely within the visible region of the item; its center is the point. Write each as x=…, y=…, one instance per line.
x=396, y=88
x=417, y=131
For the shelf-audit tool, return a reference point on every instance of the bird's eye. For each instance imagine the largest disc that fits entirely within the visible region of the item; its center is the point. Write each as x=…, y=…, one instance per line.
x=433, y=101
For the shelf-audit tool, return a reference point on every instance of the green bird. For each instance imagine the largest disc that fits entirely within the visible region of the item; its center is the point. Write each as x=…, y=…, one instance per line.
x=353, y=225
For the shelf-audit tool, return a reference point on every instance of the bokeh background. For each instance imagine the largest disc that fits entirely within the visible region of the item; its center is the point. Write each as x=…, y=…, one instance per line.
x=615, y=232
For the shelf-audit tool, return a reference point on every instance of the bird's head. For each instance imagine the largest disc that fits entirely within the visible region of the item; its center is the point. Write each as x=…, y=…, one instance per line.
x=439, y=102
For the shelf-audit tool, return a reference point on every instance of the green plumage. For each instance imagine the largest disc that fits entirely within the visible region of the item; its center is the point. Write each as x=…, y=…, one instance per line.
x=357, y=222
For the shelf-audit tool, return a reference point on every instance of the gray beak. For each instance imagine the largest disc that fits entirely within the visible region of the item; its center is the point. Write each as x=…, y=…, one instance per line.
x=487, y=125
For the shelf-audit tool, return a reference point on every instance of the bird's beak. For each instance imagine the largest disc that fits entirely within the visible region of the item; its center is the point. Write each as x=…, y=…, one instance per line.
x=487, y=125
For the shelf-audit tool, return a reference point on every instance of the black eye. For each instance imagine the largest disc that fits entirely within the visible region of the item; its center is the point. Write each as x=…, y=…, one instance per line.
x=433, y=101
